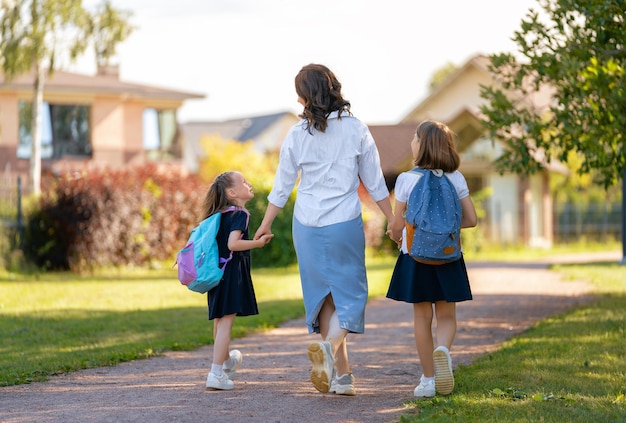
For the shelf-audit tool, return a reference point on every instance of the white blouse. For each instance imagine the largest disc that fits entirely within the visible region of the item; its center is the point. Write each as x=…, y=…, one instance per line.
x=330, y=165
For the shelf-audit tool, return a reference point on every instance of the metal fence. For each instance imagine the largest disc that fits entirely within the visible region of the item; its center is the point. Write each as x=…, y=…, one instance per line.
x=596, y=222
x=11, y=214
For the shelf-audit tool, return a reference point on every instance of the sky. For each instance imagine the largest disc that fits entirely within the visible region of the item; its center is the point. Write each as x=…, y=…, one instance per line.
x=243, y=55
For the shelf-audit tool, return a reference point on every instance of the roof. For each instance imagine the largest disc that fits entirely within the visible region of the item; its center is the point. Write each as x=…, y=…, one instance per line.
x=242, y=129
x=394, y=145
x=75, y=83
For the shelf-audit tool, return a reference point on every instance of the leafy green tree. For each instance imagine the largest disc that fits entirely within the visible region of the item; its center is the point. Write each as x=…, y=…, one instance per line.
x=35, y=34
x=575, y=53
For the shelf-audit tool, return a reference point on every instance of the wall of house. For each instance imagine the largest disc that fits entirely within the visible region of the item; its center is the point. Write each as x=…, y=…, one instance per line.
x=447, y=102
x=10, y=166
x=273, y=137
x=107, y=131
x=539, y=221
x=503, y=209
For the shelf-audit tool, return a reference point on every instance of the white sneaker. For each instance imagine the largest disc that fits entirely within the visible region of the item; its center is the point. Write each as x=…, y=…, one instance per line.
x=235, y=358
x=425, y=389
x=444, y=378
x=320, y=354
x=343, y=385
x=221, y=382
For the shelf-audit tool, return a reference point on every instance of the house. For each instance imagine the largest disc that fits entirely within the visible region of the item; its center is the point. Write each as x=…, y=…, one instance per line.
x=87, y=120
x=267, y=132
x=519, y=209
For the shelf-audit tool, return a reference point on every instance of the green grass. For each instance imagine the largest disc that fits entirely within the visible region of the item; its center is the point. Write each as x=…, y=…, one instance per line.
x=570, y=368
x=59, y=322
x=525, y=254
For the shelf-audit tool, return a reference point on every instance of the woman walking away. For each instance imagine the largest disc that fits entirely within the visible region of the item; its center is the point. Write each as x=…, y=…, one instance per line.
x=234, y=296
x=331, y=152
x=426, y=284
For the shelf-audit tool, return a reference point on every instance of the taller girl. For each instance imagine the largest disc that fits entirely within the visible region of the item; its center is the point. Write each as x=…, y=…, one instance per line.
x=427, y=284
x=331, y=152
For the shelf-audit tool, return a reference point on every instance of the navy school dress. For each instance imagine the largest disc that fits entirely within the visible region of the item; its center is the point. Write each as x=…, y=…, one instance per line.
x=235, y=293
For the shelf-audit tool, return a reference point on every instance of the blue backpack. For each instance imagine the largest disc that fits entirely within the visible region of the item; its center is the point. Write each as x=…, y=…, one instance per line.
x=200, y=268
x=433, y=219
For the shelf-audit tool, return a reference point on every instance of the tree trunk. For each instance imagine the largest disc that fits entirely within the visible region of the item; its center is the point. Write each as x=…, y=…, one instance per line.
x=35, y=131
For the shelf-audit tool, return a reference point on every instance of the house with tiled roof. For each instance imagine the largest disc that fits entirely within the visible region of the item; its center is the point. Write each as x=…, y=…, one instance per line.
x=266, y=131
x=87, y=120
x=519, y=209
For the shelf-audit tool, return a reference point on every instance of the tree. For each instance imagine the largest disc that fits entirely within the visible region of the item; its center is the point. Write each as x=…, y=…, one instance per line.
x=576, y=52
x=579, y=54
x=34, y=35
x=109, y=27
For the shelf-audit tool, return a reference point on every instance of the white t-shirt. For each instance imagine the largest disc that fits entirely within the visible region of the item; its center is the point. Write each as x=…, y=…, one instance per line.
x=407, y=180
x=331, y=166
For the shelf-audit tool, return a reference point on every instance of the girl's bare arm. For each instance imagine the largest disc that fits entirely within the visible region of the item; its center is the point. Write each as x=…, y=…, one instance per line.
x=235, y=243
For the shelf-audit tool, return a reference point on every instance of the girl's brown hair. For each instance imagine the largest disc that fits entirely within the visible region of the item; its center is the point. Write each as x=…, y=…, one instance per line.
x=321, y=91
x=436, y=147
x=216, y=198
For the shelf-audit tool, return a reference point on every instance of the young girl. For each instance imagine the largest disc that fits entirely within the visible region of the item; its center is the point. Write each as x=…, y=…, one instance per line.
x=425, y=284
x=234, y=296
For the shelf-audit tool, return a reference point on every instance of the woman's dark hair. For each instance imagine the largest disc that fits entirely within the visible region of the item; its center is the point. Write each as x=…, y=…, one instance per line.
x=321, y=91
x=436, y=147
x=216, y=198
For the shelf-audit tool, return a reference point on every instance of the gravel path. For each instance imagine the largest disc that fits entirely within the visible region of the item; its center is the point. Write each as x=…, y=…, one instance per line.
x=273, y=385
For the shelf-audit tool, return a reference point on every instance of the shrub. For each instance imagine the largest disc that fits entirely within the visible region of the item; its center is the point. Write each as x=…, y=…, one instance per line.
x=137, y=216
x=103, y=217
x=279, y=252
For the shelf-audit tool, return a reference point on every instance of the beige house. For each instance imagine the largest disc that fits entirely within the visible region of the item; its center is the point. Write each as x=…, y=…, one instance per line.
x=519, y=210
x=87, y=120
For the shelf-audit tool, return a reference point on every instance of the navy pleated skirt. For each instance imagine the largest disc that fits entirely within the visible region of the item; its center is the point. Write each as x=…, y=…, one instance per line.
x=415, y=282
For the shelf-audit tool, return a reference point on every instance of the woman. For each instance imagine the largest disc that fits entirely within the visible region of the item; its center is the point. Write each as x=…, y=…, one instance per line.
x=331, y=152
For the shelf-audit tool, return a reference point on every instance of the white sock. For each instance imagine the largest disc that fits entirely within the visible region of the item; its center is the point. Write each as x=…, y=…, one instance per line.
x=428, y=379
x=216, y=369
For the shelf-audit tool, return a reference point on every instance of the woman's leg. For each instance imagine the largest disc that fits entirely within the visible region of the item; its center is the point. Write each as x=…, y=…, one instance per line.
x=331, y=331
x=446, y=323
x=422, y=327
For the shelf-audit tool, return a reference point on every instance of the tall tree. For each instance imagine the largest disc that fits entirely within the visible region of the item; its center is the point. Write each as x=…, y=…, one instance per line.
x=109, y=27
x=34, y=34
x=575, y=50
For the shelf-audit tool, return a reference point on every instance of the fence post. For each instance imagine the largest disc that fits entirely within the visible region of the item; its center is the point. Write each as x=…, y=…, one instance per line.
x=20, y=223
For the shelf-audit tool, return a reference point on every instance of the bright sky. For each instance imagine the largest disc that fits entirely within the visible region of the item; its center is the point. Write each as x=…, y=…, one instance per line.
x=243, y=55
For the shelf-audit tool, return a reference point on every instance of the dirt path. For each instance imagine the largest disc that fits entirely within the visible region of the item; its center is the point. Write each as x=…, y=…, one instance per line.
x=273, y=385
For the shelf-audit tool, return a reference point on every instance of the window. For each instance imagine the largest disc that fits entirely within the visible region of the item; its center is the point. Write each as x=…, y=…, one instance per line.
x=159, y=133
x=64, y=131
